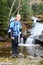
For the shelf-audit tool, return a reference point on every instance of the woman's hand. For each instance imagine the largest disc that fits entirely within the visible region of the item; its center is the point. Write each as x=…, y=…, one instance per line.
x=12, y=38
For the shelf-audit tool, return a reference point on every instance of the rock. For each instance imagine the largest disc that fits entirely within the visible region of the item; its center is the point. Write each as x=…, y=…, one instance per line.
x=35, y=55
x=21, y=55
x=2, y=39
x=31, y=57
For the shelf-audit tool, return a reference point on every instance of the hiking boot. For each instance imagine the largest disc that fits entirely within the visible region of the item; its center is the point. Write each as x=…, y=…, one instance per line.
x=13, y=56
x=17, y=55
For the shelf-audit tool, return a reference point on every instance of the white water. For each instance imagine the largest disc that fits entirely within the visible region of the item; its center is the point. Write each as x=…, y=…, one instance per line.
x=35, y=31
x=33, y=49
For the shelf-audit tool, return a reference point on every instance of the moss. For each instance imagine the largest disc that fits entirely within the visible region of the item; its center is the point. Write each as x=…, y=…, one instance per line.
x=40, y=63
x=1, y=43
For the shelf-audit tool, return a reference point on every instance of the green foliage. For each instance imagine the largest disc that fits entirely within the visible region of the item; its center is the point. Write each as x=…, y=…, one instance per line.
x=26, y=11
x=5, y=6
x=4, y=11
x=9, y=3
x=38, y=9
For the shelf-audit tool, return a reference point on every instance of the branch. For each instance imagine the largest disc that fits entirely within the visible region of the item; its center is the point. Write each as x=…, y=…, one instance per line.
x=11, y=8
x=20, y=7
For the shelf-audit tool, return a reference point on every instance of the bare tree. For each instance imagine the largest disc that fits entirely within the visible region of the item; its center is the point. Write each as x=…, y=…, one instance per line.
x=20, y=6
x=11, y=9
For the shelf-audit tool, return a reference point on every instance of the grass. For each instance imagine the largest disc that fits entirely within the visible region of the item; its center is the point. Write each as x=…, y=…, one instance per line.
x=19, y=61
x=15, y=61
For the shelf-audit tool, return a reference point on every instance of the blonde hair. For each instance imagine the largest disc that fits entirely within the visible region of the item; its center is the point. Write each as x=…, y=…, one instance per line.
x=18, y=15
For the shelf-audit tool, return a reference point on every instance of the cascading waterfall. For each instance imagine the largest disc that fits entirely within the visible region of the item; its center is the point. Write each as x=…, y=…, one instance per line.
x=35, y=31
x=32, y=48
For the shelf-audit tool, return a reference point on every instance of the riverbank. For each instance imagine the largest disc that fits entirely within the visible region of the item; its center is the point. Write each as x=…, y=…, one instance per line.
x=26, y=59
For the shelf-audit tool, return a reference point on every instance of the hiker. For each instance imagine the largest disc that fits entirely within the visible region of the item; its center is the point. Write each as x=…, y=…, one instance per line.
x=15, y=27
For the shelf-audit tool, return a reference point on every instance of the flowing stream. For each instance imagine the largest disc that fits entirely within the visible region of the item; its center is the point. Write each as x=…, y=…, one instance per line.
x=31, y=48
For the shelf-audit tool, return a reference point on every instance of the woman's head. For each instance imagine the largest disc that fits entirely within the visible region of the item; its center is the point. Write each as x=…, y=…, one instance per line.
x=18, y=17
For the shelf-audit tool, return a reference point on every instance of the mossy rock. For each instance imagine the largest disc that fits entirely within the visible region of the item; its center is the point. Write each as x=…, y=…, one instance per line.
x=40, y=17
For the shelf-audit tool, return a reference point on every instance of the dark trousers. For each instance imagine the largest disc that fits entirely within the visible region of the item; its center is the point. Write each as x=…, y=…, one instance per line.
x=15, y=45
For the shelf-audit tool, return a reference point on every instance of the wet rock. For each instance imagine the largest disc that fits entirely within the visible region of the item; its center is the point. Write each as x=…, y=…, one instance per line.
x=35, y=55
x=21, y=55
x=39, y=40
x=41, y=56
x=30, y=57
x=3, y=39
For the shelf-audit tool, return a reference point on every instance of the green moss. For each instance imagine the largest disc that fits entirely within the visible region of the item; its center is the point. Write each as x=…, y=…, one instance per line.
x=40, y=63
x=1, y=43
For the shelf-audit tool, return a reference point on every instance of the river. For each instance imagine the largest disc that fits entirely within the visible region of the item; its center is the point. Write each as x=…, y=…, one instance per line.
x=32, y=48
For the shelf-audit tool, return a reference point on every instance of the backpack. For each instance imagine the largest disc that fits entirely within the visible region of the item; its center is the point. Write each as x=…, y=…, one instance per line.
x=8, y=29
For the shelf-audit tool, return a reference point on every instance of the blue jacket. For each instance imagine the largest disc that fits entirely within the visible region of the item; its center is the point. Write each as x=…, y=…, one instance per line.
x=15, y=27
